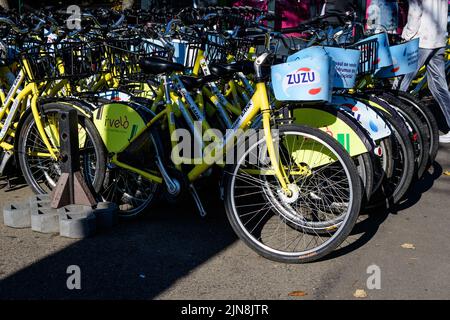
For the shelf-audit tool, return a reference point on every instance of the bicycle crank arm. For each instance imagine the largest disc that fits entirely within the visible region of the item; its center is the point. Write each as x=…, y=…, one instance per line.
x=173, y=186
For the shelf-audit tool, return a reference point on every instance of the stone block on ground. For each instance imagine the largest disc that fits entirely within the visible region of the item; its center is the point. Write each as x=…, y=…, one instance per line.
x=17, y=215
x=45, y=220
x=106, y=214
x=39, y=201
x=76, y=221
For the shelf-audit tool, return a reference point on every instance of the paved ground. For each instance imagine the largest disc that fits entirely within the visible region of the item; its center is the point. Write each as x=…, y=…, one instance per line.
x=173, y=254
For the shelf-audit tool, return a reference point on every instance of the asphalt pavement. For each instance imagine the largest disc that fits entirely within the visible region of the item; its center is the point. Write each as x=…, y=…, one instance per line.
x=172, y=253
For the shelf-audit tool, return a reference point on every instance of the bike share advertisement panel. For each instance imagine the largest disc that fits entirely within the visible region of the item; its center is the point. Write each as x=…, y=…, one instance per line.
x=345, y=63
x=405, y=58
x=366, y=116
x=308, y=148
x=332, y=125
x=118, y=124
x=307, y=79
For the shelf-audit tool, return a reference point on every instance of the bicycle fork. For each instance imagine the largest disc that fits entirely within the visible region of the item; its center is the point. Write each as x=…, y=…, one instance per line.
x=273, y=155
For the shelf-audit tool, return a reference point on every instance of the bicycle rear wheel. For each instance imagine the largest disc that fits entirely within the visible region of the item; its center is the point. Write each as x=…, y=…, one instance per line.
x=400, y=168
x=419, y=135
x=427, y=117
x=397, y=161
x=319, y=214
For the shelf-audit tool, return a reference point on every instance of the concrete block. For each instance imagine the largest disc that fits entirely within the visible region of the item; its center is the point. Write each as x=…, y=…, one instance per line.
x=17, y=215
x=39, y=201
x=45, y=220
x=106, y=214
x=76, y=221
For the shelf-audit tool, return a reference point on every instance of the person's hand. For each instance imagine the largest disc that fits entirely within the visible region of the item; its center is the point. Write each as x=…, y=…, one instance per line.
x=407, y=34
x=404, y=35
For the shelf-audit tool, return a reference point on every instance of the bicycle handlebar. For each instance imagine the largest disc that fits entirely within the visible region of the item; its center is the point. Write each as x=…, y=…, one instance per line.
x=305, y=25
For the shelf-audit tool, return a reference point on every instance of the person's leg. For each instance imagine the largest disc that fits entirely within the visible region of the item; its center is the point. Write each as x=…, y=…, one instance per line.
x=424, y=56
x=437, y=82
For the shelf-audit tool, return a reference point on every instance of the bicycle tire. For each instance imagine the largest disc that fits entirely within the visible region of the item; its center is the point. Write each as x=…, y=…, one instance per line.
x=24, y=161
x=339, y=234
x=419, y=139
x=424, y=112
x=398, y=177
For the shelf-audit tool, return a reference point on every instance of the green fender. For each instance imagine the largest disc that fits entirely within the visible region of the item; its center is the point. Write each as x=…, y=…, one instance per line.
x=330, y=123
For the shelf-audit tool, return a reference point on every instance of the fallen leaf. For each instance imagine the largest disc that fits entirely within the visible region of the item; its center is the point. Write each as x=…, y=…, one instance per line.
x=360, y=293
x=408, y=246
x=447, y=172
x=297, y=294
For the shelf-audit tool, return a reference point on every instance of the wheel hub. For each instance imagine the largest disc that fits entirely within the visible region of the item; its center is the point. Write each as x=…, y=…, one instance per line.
x=292, y=197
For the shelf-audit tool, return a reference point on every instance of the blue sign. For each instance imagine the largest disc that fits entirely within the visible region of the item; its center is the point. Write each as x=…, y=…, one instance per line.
x=405, y=58
x=344, y=62
x=306, y=79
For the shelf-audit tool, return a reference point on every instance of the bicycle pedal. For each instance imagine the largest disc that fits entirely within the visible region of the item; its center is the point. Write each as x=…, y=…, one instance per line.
x=197, y=200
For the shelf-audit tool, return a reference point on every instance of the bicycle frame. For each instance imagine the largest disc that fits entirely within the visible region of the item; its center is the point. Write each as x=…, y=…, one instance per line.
x=16, y=98
x=258, y=104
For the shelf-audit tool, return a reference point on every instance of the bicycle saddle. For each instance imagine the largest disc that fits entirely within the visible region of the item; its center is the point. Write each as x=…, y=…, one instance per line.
x=227, y=70
x=154, y=65
x=196, y=82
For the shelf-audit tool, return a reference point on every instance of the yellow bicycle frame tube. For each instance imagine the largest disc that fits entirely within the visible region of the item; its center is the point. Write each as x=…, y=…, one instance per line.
x=258, y=103
x=33, y=87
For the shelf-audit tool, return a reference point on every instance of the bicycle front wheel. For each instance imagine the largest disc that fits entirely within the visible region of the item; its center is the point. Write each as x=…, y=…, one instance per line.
x=324, y=201
x=41, y=171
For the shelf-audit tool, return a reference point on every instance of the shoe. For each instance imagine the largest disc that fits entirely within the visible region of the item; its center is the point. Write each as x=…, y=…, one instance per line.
x=445, y=138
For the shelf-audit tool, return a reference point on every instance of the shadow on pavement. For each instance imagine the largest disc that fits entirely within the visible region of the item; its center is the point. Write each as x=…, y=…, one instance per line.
x=367, y=227
x=140, y=259
x=135, y=260
x=13, y=183
x=421, y=186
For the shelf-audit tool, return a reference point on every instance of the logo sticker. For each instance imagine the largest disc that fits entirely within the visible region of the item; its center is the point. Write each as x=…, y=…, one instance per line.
x=301, y=77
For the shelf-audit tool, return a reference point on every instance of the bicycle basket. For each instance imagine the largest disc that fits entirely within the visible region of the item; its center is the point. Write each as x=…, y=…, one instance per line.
x=124, y=56
x=377, y=56
x=405, y=59
x=344, y=62
x=246, y=48
x=186, y=52
x=9, y=50
x=216, y=48
x=306, y=79
x=65, y=60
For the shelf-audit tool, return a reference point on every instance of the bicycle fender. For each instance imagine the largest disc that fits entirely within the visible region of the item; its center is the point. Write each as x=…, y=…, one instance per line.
x=83, y=106
x=118, y=123
x=335, y=125
x=369, y=119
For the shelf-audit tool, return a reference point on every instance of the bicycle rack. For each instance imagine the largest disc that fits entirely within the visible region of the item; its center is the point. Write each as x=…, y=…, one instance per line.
x=71, y=209
x=71, y=187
